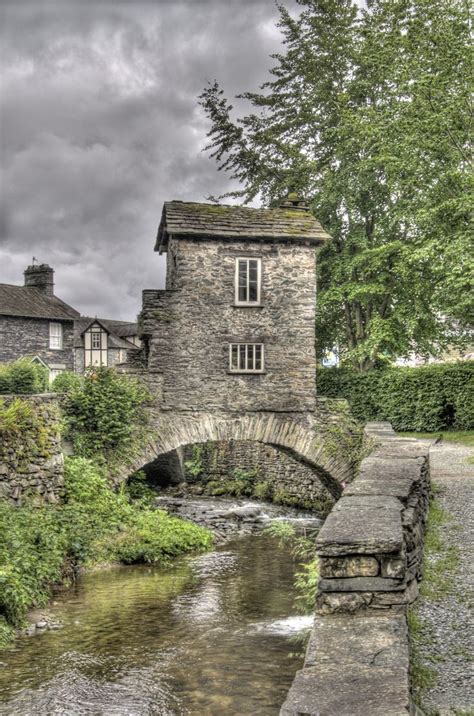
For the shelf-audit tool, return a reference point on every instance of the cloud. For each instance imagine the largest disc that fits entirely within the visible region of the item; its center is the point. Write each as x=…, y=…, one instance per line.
x=100, y=125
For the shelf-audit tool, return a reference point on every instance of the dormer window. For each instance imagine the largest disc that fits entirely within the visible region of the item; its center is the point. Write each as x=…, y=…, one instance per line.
x=248, y=280
x=55, y=336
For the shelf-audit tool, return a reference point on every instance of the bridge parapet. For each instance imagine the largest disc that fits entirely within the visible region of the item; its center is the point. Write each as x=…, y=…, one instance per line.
x=370, y=551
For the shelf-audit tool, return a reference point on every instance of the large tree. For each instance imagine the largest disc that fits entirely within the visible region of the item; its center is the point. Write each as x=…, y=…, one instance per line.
x=367, y=116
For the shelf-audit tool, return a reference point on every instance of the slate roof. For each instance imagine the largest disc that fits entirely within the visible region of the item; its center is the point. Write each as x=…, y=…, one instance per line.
x=117, y=330
x=191, y=219
x=30, y=302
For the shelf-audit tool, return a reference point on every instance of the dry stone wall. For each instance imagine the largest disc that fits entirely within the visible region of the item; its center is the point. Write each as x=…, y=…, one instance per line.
x=370, y=550
x=28, y=466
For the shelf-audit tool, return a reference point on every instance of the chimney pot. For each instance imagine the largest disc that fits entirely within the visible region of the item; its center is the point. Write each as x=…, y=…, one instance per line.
x=292, y=201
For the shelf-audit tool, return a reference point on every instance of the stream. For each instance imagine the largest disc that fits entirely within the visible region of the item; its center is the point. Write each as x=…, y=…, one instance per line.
x=212, y=634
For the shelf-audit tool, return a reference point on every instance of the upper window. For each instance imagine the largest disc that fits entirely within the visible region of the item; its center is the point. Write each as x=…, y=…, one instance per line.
x=246, y=357
x=95, y=341
x=55, y=336
x=248, y=279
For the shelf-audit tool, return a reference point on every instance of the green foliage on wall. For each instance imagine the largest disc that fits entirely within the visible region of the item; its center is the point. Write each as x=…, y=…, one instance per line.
x=194, y=467
x=104, y=412
x=42, y=546
x=24, y=429
x=23, y=377
x=428, y=398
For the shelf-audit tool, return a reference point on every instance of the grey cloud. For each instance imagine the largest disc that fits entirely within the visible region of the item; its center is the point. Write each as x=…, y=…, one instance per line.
x=100, y=125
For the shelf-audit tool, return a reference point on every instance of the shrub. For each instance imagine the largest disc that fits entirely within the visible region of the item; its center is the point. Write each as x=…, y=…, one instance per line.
x=23, y=377
x=428, y=398
x=40, y=546
x=66, y=382
x=105, y=416
x=24, y=430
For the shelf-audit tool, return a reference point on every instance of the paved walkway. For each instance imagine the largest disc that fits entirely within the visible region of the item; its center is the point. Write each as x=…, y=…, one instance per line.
x=450, y=623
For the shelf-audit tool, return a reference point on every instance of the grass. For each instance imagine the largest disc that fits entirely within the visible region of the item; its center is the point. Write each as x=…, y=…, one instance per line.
x=461, y=437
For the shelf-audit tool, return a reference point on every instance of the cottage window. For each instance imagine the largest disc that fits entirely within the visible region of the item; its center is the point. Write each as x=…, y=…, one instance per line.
x=95, y=341
x=248, y=278
x=55, y=336
x=246, y=357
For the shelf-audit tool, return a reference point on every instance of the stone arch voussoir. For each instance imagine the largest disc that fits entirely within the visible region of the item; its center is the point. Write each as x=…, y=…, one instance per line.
x=296, y=433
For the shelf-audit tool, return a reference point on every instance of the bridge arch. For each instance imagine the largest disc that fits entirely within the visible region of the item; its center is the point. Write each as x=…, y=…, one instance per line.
x=300, y=435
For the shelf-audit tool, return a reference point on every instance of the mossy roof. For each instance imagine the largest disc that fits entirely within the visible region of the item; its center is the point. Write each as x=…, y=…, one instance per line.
x=224, y=221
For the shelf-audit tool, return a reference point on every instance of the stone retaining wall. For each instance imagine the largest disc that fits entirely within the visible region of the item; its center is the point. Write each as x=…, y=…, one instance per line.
x=370, y=550
x=284, y=478
x=27, y=467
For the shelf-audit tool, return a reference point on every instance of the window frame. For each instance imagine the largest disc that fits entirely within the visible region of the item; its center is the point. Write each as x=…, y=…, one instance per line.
x=59, y=336
x=237, y=301
x=246, y=370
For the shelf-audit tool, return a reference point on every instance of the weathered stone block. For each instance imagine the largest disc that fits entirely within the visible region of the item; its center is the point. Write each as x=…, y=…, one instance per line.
x=356, y=690
x=367, y=531
x=361, y=584
x=358, y=566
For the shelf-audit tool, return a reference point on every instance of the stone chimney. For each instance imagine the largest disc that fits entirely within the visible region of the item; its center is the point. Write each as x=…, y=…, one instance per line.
x=292, y=201
x=41, y=277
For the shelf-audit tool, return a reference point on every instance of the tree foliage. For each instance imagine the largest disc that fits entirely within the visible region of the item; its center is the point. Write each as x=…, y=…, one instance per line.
x=368, y=115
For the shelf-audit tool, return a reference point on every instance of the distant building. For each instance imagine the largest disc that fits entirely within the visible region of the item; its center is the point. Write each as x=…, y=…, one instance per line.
x=36, y=323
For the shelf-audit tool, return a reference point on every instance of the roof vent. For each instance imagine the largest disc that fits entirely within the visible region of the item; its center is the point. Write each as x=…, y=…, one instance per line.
x=292, y=201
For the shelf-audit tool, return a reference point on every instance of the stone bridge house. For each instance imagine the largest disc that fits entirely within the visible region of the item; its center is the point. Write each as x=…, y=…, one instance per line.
x=229, y=346
x=35, y=323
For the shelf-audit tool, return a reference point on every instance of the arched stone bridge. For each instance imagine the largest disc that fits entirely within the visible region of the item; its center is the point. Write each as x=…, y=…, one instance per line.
x=316, y=439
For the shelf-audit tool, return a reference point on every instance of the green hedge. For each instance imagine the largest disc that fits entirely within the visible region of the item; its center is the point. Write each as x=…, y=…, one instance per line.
x=425, y=399
x=23, y=377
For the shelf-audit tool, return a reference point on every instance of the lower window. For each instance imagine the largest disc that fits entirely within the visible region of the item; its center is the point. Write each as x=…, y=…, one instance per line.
x=246, y=357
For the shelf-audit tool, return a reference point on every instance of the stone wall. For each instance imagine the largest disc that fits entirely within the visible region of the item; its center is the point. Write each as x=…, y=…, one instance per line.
x=370, y=550
x=30, y=337
x=189, y=326
x=280, y=476
x=29, y=466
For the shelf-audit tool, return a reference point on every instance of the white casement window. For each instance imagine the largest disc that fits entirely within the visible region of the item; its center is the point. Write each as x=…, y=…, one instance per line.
x=246, y=358
x=248, y=280
x=55, y=336
x=96, y=341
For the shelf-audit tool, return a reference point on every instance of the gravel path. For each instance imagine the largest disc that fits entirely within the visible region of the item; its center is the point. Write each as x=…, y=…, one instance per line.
x=450, y=645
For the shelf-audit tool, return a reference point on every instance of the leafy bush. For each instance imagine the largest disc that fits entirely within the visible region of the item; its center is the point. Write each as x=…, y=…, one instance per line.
x=41, y=546
x=428, y=398
x=23, y=377
x=66, y=381
x=105, y=416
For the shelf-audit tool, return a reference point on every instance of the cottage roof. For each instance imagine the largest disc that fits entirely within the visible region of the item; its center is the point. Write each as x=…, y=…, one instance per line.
x=117, y=330
x=30, y=302
x=221, y=221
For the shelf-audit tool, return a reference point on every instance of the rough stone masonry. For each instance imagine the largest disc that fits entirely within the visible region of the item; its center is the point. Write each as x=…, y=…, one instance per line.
x=28, y=468
x=370, y=550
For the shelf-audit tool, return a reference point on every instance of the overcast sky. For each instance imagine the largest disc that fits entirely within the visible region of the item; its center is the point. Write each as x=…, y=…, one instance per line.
x=100, y=125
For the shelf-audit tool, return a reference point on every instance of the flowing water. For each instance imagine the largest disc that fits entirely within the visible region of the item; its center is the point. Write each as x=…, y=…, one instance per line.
x=213, y=634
